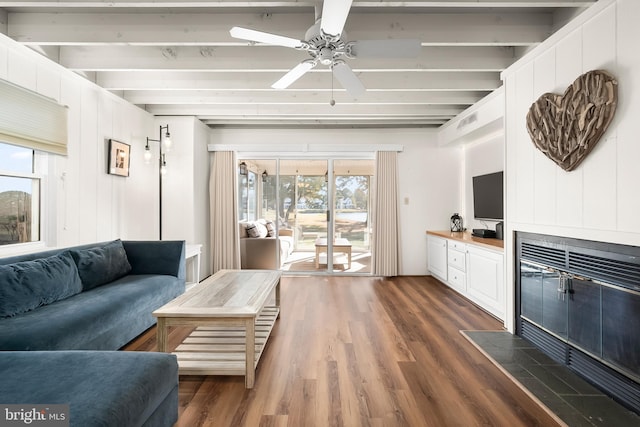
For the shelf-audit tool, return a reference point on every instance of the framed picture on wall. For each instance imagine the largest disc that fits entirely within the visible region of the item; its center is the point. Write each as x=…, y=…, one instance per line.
x=119, y=158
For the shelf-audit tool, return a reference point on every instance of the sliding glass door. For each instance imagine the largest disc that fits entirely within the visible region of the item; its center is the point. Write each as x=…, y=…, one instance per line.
x=320, y=207
x=352, y=211
x=304, y=200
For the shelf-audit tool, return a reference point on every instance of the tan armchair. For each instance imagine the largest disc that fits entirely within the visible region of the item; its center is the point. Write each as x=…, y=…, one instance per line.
x=262, y=252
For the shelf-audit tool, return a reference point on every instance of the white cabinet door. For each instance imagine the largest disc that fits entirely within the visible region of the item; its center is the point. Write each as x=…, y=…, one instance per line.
x=485, y=279
x=437, y=256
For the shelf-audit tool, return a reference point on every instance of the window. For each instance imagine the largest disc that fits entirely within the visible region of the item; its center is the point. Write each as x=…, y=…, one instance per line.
x=247, y=197
x=19, y=196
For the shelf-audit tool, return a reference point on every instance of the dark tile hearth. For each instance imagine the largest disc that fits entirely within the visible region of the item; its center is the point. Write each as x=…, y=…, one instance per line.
x=573, y=400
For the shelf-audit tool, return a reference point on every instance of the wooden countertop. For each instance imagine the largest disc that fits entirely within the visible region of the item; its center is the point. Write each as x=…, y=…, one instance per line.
x=466, y=237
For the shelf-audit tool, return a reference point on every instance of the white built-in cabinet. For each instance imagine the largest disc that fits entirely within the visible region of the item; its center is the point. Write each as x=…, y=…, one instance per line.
x=473, y=269
x=437, y=250
x=485, y=279
x=457, y=265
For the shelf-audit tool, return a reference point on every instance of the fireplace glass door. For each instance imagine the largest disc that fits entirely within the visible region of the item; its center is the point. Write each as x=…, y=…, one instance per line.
x=542, y=302
x=621, y=329
x=585, y=316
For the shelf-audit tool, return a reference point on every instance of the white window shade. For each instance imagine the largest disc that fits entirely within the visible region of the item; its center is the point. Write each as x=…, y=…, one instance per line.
x=31, y=120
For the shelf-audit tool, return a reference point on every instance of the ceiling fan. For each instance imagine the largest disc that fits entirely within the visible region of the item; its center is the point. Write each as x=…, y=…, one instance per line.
x=326, y=43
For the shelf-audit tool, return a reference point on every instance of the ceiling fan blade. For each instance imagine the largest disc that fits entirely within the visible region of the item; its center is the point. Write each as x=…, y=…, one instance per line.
x=334, y=15
x=267, y=38
x=348, y=78
x=294, y=74
x=398, y=48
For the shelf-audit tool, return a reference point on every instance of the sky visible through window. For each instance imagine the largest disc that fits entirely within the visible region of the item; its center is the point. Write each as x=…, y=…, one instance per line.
x=17, y=160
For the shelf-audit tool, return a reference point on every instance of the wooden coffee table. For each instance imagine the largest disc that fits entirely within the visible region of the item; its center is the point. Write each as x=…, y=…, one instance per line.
x=339, y=246
x=232, y=322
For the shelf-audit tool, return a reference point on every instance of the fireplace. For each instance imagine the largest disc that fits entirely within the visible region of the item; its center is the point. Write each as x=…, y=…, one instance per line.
x=578, y=301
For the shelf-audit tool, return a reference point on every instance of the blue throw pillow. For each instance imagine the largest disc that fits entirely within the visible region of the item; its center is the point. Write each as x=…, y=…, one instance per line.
x=27, y=285
x=101, y=265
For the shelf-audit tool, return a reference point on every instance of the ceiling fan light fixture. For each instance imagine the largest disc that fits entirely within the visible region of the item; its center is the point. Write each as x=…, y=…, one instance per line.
x=325, y=56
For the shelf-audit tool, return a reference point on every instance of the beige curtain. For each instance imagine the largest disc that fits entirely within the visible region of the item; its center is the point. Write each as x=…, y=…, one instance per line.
x=386, y=229
x=225, y=240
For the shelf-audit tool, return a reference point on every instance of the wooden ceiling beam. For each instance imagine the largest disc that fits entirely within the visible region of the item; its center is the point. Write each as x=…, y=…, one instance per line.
x=314, y=80
x=285, y=4
x=212, y=29
x=273, y=58
x=301, y=97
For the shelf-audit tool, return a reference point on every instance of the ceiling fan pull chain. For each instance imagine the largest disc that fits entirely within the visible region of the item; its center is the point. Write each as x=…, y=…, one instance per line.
x=333, y=101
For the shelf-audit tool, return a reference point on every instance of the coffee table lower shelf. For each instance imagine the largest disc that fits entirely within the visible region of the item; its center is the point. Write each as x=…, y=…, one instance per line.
x=220, y=350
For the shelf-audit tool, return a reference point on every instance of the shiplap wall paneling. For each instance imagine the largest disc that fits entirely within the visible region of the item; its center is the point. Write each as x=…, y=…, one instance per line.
x=104, y=182
x=69, y=181
x=600, y=180
x=569, y=188
x=628, y=115
x=178, y=184
x=524, y=152
x=21, y=70
x=135, y=129
x=3, y=62
x=48, y=83
x=88, y=210
x=544, y=170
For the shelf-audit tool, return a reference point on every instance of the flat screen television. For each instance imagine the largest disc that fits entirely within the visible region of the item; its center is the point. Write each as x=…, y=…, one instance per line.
x=487, y=197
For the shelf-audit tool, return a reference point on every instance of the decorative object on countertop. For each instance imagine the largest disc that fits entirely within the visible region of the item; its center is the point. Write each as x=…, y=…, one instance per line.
x=567, y=127
x=456, y=222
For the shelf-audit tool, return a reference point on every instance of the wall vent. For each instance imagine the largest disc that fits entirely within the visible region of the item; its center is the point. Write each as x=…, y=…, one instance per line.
x=609, y=270
x=551, y=346
x=618, y=386
x=547, y=255
x=467, y=120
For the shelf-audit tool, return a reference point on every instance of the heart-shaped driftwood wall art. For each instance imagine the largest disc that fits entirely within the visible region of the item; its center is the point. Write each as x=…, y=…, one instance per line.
x=567, y=127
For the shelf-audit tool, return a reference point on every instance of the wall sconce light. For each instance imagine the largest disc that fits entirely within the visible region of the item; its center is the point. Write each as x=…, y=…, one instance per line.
x=264, y=176
x=243, y=168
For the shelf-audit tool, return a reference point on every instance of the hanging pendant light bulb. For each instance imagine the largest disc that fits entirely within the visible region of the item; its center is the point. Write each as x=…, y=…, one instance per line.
x=166, y=141
x=163, y=166
x=147, y=153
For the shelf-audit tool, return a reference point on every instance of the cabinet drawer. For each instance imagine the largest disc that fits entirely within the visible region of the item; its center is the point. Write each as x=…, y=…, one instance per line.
x=456, y=259
x=457, y=279
x=459, y=246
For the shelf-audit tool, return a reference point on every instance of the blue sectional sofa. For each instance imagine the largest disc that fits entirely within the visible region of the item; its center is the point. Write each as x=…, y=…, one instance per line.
x=63, y=313
x=102, y=388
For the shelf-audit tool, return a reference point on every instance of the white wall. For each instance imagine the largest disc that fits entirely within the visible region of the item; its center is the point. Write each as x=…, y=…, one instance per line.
x=599, y=200
x=185, y=188
x=429, y=175
x=430, y=178
x=81, y=202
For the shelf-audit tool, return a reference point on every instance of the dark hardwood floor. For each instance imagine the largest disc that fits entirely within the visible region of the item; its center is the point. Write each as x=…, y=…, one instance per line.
x=361, y=351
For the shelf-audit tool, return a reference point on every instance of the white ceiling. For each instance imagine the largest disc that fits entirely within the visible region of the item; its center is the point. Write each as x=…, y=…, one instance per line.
x=177, y=57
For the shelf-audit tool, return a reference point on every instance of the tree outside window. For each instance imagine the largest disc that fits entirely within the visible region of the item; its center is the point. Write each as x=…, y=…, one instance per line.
x=19, y=196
